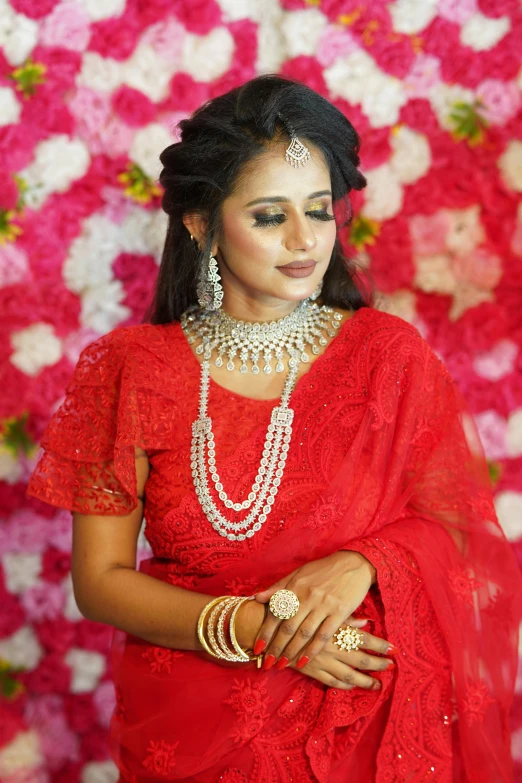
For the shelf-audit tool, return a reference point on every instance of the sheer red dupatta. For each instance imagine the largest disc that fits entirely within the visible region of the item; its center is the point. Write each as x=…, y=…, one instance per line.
x=414, y=495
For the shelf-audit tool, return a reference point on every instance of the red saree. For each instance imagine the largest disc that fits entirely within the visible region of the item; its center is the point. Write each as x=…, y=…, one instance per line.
x=385, y=460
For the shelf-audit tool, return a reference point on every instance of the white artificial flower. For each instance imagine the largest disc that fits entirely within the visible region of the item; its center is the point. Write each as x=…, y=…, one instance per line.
x=147, y=145
x=508, y=505
x=21, y=755
x=256, y=10
x=99, y=772
x=11, y=469
x=155, y=231
x=9, y=106
x=70, y=611
x=207, y=57
x=443, y=98
x=514, y=436
x=412, y=16
x=510, y=165
x=21, y=570
x=383, y=100
x=14, y=266
x=90, y=256
x=383, y=194
x=87, y=668
x=103, y=9
x=58, y=161
x=102, y=74
x=35, y=347
x=302, y=30
x=348, y=76
x=498, y=361
x=411, y=156
x=484, y=32
x=434, y=274
x=271, y=52
x=401, y=303
x=101, y=307
x=21, y=648
x=465, y=230
x=467, y=296
x=18, y=35
x=491, y=427
x=145, y=70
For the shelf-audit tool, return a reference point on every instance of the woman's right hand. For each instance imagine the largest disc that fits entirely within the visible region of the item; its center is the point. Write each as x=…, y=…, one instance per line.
x=339, y=669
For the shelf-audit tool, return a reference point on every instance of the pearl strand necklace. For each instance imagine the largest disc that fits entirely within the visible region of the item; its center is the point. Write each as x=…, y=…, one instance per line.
x=279, y=433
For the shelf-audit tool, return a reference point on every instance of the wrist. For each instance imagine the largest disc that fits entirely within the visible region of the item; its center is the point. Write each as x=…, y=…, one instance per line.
x=249, y=619
x=363, y=562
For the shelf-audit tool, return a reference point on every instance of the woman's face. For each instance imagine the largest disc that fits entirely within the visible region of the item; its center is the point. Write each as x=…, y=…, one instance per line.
x=277, y=215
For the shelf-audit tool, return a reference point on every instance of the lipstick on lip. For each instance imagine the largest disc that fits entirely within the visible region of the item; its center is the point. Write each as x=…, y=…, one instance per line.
x=298, y=268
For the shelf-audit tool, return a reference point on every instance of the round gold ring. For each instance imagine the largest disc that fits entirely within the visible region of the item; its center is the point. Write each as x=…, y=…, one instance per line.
x=348, y=638
x=284, y=604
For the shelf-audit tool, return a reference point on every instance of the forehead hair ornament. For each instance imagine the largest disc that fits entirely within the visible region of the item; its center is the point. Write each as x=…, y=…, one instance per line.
x=296, y=154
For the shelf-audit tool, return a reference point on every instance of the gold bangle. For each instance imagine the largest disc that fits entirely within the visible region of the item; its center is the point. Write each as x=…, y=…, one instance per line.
x=220, y=646
x=220, y=630
x=211, y=634
x=232, y=631
x=201, y=623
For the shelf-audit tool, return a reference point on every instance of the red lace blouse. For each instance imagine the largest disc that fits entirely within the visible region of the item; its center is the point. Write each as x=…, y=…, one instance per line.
x=385, y=460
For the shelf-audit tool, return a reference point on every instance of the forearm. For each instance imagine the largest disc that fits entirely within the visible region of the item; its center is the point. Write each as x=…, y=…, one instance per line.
x=156, y=611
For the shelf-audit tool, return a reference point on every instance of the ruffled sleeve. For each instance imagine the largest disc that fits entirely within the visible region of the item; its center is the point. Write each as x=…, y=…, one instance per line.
x=87, y=462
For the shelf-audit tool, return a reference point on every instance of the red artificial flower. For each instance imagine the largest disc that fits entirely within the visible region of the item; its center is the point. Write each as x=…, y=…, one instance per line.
x=57, y=636
x=134, y=107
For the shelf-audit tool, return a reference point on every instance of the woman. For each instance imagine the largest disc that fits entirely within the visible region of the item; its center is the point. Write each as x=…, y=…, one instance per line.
x=372, y=496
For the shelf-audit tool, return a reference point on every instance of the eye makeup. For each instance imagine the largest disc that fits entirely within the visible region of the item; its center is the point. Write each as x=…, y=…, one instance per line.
x=273, y=216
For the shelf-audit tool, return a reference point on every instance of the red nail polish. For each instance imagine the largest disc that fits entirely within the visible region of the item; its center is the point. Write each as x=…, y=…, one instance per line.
x=259, y=646
x=282, y=662
x=391, y=665
x=269, y=662
x=303, y=660
x=392, y=650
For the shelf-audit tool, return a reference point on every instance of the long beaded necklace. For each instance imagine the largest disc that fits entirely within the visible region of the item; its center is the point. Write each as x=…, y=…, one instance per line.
x=218, y=330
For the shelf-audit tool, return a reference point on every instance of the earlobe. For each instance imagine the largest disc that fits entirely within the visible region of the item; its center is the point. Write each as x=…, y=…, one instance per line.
x=196, y=225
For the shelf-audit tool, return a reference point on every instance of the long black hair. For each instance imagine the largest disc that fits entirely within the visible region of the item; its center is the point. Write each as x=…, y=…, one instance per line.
x=202, y=169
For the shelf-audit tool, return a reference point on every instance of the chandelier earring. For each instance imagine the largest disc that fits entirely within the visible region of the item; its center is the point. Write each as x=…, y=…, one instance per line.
x=209, y=289
x=317, y=292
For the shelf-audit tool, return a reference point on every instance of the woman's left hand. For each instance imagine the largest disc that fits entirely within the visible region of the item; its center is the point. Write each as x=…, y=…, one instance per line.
x=329, y=591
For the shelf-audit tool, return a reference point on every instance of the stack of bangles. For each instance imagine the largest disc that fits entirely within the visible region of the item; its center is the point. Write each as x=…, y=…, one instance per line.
x=217, y=634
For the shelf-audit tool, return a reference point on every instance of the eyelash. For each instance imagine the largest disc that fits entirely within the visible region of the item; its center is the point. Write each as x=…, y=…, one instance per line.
x=276, y=220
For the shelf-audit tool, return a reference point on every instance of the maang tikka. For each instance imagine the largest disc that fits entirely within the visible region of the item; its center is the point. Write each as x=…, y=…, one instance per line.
x=297, y=154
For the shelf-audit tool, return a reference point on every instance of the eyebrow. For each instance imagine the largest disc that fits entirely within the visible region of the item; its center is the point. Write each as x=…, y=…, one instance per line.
x=281, y=199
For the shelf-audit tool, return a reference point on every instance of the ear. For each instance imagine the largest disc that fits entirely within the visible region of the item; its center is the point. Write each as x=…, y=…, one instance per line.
x=196, y=225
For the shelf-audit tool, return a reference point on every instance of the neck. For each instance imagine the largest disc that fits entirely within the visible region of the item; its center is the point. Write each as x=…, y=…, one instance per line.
x=256, y=311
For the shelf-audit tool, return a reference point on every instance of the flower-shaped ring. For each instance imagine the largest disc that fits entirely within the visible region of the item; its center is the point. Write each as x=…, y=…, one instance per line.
x=284, y=604
x=348, y=638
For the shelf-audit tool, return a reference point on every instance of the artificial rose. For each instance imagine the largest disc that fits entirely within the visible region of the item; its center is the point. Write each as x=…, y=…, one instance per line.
x=51, y=676
x=56, y=635
x=133, y=106
x=12, y=616
x=44, y=601
x=104, y=700
x=185, y=93
x=93, y=636
x=55, y=565
x=34, y=9
x=116, y=37
x=334, y=42
x=391, y=258
x=66, y=26
x=198, y=16
x=80, y=711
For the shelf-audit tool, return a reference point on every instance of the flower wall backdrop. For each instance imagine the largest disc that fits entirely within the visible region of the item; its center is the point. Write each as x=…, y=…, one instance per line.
x=90, y=93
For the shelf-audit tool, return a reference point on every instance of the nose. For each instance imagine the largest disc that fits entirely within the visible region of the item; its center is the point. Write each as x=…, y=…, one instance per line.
x=300, y=234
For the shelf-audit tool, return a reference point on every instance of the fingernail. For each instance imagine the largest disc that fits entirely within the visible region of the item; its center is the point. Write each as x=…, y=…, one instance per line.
x=268, y=662
x=303, y=660
x=259, y=646
x=376, y=686
x=392, y=650
x=391, y=665
x=282, y=663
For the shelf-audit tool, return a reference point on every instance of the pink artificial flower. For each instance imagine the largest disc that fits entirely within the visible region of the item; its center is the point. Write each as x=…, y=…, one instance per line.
x=56, y=636
x=60, y=530
x=497, y=362
x=458, y=11
x=116, y=36
x=133, y=106
x=59, y=743
x=17, y=146
x=34, y=9
x=138, y=273
x=244, y=33
x=80, y=711
x=62, y=67
x=422, y=76
x=13, y=264
x=307, y=70
x=428, y=233
x=55, y=565
x=103, y=132
x=28, y=532
x=68, y=26
x=501, y=100
x=334, y=42
x=481, y=327
x=105, y=700
x=51, y=676
x=481, y=267
x=166, y=38
x=43, y=601
x=492, y=429
x=170, y=121
x=73, y=345
x=198, y=16
x=185, y=94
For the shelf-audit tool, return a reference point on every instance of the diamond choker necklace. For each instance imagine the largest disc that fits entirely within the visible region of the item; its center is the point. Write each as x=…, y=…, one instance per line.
x=219, y=331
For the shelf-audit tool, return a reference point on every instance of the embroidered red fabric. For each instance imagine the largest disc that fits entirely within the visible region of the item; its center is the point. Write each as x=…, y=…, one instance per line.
x=385, y=460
